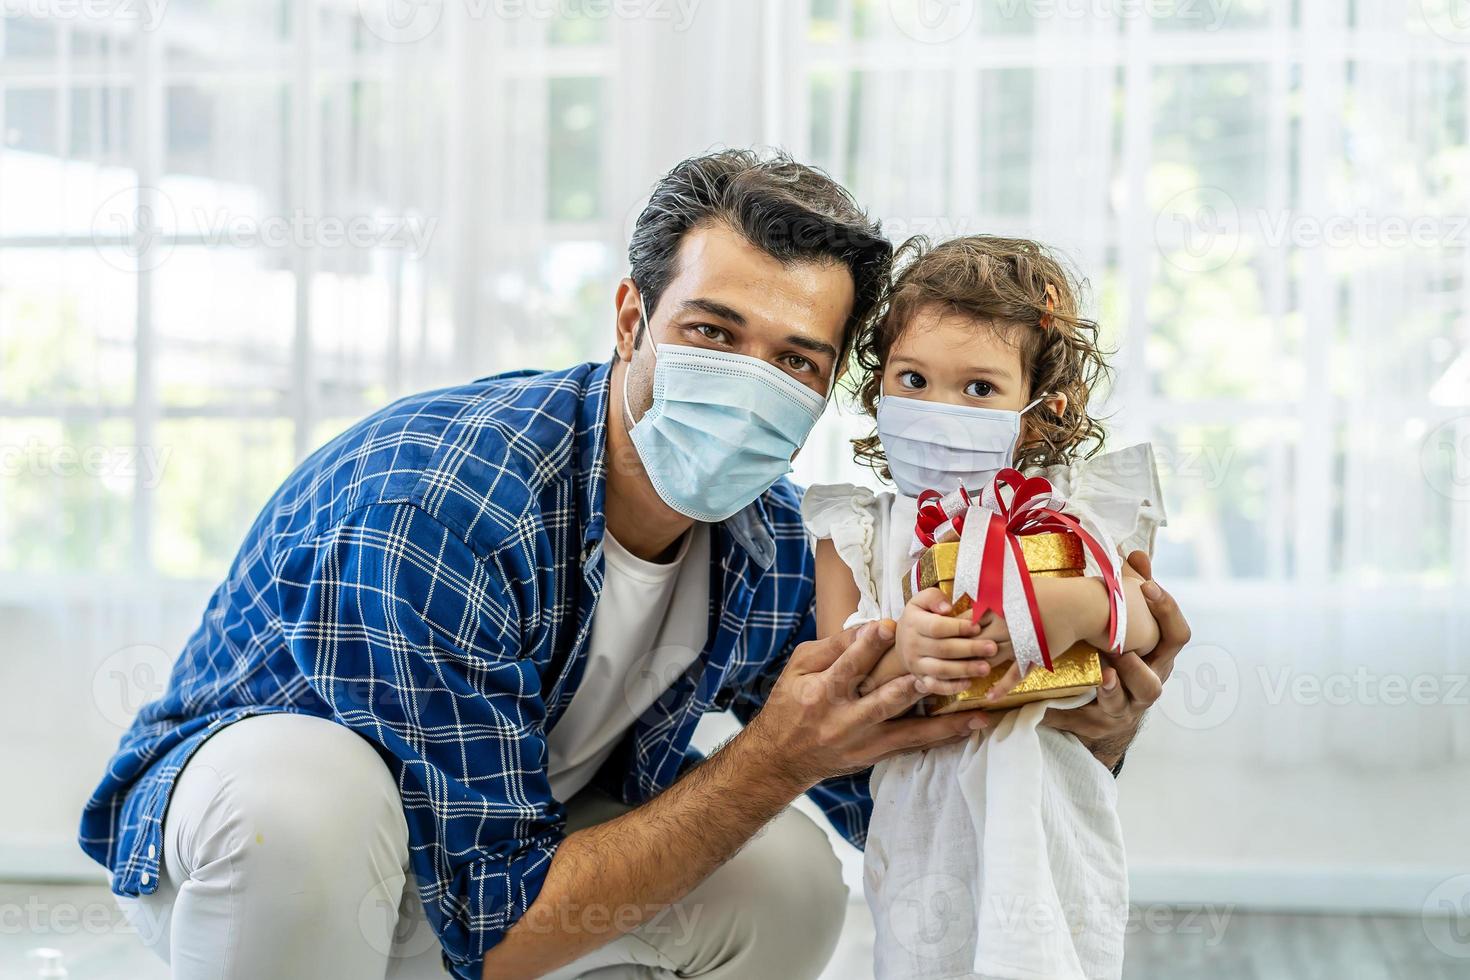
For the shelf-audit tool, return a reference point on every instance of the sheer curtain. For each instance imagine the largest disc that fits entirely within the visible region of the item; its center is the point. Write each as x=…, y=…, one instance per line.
x=227, y=229
x=1270, y=203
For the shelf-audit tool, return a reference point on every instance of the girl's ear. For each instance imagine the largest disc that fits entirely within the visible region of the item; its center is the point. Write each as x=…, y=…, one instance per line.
x=1056, y=404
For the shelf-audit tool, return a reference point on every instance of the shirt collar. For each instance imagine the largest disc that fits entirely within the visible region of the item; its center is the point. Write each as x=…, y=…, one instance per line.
x=750, y=528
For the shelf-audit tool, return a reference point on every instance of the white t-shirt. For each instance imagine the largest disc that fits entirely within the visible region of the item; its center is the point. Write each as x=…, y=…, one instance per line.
x=649, y=626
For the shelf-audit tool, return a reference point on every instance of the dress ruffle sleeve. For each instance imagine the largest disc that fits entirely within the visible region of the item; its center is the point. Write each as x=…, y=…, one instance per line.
x=849, y=516
x=1119, y=492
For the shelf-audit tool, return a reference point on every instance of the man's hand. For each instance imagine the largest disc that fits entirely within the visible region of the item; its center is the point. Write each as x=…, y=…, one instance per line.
x=1131, y=684
x=817, y=724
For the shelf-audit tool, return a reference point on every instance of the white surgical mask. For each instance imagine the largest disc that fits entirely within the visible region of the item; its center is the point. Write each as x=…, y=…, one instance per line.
x=938, y=446
x=722, y=428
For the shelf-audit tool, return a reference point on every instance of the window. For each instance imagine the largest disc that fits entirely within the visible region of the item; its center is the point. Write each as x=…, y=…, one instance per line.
x=227, y=234
x=1240, y=183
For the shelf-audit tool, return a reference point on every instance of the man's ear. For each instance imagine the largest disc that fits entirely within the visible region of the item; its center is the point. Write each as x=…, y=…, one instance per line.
x=1057, y=403
x=628, y=303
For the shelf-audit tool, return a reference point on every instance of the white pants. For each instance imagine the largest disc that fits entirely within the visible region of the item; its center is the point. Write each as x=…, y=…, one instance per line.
x=286, y=854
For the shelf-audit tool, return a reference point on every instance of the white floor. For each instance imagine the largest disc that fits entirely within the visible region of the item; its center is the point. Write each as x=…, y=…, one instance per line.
x=82, y=923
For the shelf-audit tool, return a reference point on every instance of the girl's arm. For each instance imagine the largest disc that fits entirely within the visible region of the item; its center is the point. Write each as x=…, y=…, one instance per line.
x=947, y=653
x=837, y=599
x=837, y=593
x=1074, y=609
x=1079, y=609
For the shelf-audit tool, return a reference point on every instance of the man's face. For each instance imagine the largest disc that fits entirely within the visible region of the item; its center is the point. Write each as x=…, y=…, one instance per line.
x=728, y=295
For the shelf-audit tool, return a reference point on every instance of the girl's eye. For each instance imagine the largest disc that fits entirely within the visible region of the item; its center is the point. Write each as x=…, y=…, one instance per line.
x=798, y=363
x=912, y=380
x=980, y=389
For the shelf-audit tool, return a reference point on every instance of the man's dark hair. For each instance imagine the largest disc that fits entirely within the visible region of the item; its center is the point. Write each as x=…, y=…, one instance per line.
x=788, y=210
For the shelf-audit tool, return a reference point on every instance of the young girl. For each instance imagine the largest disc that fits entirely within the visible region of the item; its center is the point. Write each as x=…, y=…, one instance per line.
x=999, y=856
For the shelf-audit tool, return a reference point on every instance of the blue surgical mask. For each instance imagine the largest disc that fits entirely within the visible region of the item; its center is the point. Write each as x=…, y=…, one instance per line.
x=722, y=428
x=937, y=446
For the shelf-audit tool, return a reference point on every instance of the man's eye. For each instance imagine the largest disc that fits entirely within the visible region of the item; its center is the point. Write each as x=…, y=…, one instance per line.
x=912, y=380
x=980, y=389
x=714, y=334
x=798, y=363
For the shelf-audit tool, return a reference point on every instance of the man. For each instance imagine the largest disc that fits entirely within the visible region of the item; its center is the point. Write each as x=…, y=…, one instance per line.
x=464, y=647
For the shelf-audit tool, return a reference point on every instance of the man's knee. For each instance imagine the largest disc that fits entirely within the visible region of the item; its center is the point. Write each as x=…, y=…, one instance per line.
x=293, y=793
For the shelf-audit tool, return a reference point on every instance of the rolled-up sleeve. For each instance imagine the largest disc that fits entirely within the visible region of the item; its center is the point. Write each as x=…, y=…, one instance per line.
x=415, y=643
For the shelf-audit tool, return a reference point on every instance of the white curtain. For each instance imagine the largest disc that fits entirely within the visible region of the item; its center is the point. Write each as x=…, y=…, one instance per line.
x=227, y=229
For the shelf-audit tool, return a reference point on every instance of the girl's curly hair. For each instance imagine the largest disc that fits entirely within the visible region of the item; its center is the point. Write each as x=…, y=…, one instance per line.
x=1005, y=282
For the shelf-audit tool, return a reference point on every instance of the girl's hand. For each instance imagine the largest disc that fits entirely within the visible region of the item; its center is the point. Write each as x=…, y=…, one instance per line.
x=943, y=651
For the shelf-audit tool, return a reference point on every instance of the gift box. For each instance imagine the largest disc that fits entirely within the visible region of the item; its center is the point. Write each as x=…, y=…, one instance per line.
x=1048, y=555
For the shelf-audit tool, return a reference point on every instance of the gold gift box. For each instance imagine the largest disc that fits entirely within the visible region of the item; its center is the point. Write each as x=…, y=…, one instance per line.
x=1079, y=669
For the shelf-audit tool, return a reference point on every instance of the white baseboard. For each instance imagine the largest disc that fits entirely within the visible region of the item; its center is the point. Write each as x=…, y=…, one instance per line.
x=1381, y=890
x=51, y=860
x=1390, y=891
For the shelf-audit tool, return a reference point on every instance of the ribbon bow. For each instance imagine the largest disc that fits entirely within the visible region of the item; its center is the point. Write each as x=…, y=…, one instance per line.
x=991, y=565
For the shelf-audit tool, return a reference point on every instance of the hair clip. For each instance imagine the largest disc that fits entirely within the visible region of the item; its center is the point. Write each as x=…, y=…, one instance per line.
x=1051, y=306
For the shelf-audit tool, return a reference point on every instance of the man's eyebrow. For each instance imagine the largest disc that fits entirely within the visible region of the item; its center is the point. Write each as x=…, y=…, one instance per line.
x=812, y=344
x=715, y=308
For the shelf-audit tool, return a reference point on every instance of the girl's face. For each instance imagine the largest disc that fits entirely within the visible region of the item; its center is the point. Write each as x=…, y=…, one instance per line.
x=943, y=356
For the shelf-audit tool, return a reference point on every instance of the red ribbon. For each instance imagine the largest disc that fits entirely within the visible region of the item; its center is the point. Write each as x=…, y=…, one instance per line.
x=932, y=516
x=1026, y=509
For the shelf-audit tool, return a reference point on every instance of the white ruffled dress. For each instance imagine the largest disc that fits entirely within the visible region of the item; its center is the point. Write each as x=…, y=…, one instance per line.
x=1000, y=856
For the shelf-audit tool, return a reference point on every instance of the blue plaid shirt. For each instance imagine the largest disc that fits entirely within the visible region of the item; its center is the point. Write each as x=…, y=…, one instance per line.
x=428, y=579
